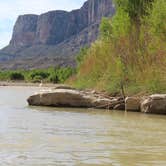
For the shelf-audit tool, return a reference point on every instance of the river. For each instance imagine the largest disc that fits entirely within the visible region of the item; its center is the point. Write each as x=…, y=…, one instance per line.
x=36, y=136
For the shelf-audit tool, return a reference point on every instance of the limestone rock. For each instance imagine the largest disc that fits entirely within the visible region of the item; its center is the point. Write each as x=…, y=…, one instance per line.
x=70, y=98
x=132, y=104
x=154, y=104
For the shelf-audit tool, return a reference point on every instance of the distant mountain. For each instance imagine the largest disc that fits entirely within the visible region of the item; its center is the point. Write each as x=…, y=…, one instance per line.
x=53, y=38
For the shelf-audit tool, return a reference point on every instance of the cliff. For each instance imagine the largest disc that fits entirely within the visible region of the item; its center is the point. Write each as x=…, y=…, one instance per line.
x=53, y=38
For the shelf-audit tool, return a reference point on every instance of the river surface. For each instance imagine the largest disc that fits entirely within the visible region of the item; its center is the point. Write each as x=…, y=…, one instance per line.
x=35, y=136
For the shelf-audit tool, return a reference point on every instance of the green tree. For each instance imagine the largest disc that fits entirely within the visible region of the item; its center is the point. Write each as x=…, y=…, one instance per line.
x=80, y=56
x=136, y=9
x=105, y=28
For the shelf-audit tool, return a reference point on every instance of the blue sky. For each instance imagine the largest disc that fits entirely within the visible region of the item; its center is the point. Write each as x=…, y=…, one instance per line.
x=10, y=9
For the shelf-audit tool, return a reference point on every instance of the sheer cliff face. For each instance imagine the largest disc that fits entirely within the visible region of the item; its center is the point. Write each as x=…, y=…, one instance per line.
x=56, y=33
x=56, y=26
x=98, y=9
x=24, y=30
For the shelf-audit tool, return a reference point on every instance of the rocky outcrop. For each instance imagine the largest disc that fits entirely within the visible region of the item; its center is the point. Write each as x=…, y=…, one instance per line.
x=54, y=32
x=65, y=96
x=69, y=97
x=132, y=104
x=154, y=104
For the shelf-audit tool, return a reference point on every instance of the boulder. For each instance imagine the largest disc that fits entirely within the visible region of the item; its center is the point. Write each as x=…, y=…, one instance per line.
x=70, y=98
x=132, y=104
x=154, y=104
x=60, y=97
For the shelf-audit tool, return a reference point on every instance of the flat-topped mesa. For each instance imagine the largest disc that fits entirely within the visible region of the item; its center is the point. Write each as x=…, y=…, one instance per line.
x=54, y=27
x=55, y=37
x=24, y=31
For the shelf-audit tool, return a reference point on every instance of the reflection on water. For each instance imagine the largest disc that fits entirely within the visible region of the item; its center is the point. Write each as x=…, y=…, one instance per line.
x=34, y=136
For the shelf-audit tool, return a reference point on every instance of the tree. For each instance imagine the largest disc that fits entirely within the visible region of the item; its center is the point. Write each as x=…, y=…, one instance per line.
x=135, y=8
x=80, y=56
x=105, y=28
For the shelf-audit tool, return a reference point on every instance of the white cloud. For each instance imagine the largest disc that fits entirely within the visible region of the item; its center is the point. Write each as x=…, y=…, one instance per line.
x=10, y=9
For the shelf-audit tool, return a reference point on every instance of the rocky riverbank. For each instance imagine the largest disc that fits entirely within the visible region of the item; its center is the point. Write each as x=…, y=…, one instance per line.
x=64, y=96
x=68, y=97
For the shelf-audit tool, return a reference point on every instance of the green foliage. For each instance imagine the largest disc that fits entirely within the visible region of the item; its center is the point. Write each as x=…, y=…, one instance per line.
x=54, y=78
x=135, y=8
x=105, y=29
x=37, y=79
x=130, y=51
x=39, y=74
x=157, y=19
x=64, y=73
x=80, y=56
x=16, y=76
x=120, y=23
x=53, y=75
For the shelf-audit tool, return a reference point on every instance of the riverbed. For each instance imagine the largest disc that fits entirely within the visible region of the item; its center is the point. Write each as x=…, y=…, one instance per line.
x=42, y=136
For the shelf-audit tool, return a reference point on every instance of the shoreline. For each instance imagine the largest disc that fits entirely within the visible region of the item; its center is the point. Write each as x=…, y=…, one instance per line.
x=68, y=96
x=27, y=84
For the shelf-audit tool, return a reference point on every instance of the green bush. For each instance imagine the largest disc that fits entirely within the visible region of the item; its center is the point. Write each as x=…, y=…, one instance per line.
x=53, y=75
x=80, y=56
x=37, y=79
x=16, y=76
x=54, y=78
x=41, y=74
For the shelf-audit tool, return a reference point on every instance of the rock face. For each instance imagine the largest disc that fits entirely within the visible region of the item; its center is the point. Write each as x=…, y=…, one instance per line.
x=64, y=96
x=154, y=104
x=71, y=98
x=53, y=30
x=24, y=32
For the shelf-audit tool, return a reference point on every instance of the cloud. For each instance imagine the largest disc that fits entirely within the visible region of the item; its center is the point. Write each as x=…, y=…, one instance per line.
x=10, y=9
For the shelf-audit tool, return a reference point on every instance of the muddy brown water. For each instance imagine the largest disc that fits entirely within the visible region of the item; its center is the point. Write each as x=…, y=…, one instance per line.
x=41, y=136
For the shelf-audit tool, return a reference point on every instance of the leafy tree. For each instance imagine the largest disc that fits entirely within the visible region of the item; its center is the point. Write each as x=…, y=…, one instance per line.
x=105, y=28
x=135, y=8
x=157, y=19
x=80, y=56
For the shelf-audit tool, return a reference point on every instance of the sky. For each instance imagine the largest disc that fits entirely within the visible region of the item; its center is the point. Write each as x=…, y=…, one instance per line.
x=10, y=9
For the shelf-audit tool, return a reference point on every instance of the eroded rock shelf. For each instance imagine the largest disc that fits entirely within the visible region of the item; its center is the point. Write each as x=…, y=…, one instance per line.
x=68, y=97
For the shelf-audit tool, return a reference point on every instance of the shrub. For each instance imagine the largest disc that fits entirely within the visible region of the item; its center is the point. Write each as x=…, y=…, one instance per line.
x=42, y=74
x=37, y=79
x=54, y=78
x=16, y=76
